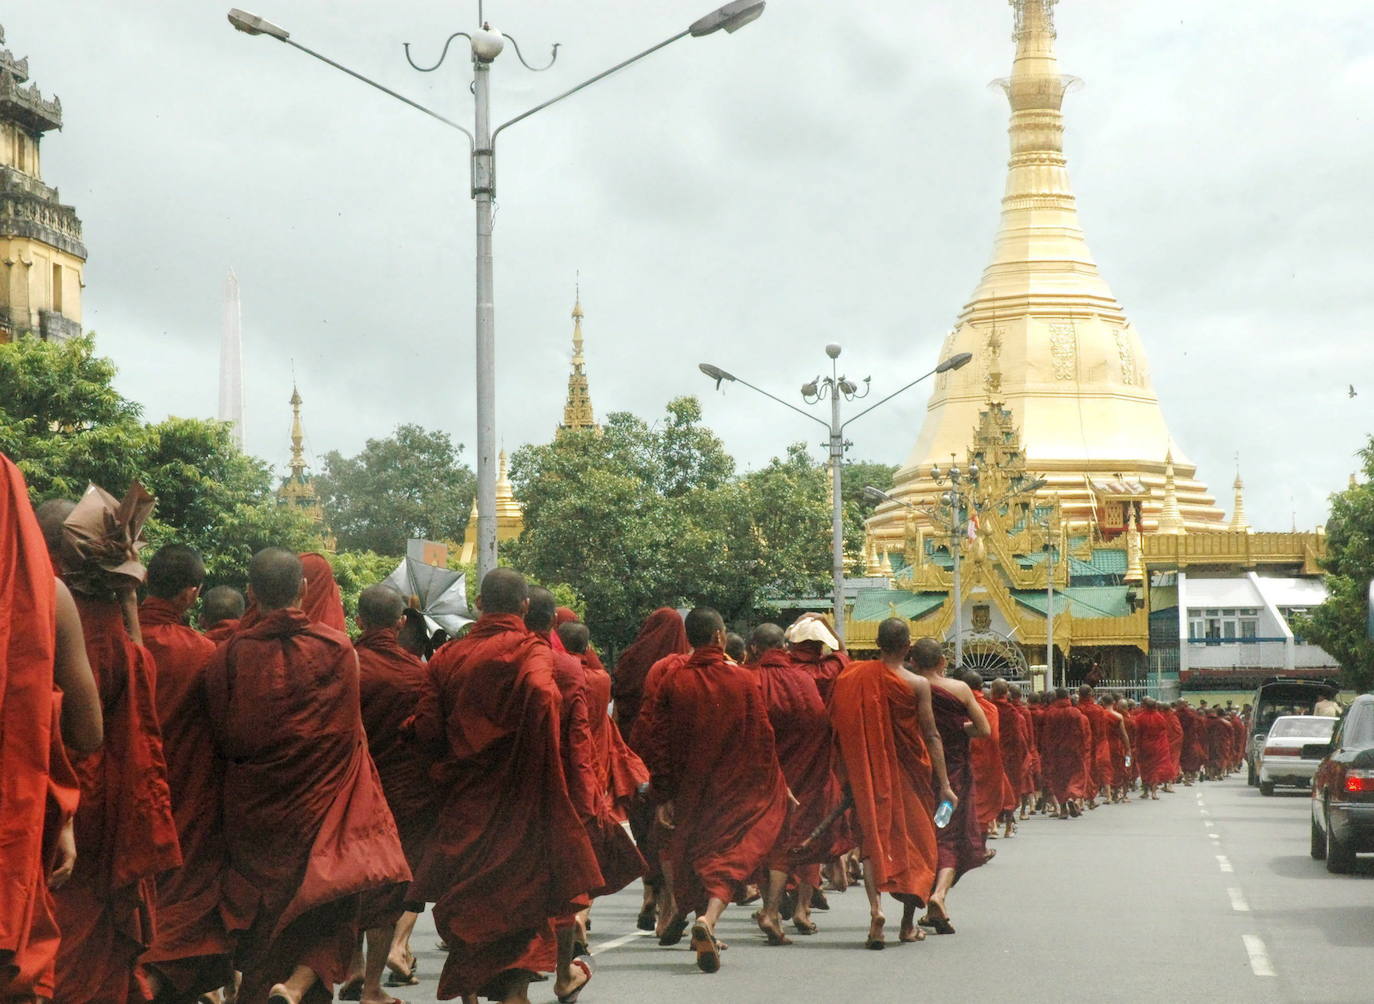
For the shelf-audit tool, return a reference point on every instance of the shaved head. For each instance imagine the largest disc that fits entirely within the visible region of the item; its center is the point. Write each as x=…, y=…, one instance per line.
x=765, y=637
x=574, y=636
x=223, y=603
x=999, y=687
x=894, y=637
x=276, y=578
x=51, y=515
x=380, y=606
x=504, y=591
x=174, y=569
x=927, y=653
x=974, y=680
x=542, y=612
x=701, y=625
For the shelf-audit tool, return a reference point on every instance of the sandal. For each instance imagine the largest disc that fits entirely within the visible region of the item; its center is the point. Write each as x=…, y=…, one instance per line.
x=350, y=991
x=584, y=963
x=672, y=934
x=910, y=935
x=707, y=948
x=804, y=926
x=875, y=942
x=645, y=920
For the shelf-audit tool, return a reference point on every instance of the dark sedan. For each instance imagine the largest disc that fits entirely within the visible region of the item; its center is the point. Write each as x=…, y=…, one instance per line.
x=1343, y=790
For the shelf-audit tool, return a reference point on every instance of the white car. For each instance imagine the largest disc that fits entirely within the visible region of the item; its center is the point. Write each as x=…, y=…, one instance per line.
x=1281, y=760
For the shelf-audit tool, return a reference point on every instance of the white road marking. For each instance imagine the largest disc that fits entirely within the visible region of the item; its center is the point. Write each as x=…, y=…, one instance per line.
x=1205, y=812
x=1224, y=863
x=1207, y=823
x=624, y=939
x=1238, y=901
x=1259, y=955
x=1214, y=836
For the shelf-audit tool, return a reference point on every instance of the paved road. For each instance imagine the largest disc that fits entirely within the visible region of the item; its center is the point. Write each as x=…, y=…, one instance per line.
x=1207, y=894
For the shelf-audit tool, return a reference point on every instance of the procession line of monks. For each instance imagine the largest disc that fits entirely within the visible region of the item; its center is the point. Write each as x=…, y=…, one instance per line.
x=259, y=810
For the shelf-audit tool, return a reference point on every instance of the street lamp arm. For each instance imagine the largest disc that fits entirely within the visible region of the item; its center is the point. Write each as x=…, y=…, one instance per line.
x=884, y=401
x=587, y=83
x=385, y=90
x=785, y=404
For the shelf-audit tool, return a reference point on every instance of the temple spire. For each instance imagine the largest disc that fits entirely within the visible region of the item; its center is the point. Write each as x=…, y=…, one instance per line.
x=577, y=411
x=1170, y=519
x=297, y=435
x=1238, y=522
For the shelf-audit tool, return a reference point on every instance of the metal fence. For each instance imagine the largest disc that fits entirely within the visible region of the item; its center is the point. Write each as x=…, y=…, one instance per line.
x=1154, y=685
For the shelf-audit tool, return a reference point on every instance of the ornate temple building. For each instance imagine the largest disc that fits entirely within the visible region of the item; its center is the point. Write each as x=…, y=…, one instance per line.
x=1074, y=371
x=510, y=517
x=577, y=411
x=40, y=238
x=297, y=489
x=1074, y=522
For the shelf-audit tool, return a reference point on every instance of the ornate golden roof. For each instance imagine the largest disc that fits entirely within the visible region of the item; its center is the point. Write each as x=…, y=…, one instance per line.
x=577, y=412
x=298, y=487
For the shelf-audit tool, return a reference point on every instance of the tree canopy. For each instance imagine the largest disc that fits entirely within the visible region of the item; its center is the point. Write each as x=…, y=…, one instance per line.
x=409, y=484
x=1338, y=625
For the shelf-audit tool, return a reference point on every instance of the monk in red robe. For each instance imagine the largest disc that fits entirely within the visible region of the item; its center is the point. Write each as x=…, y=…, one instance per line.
x=801, y=730
x=1015, y=751
x=42, y=655
x=1175, y=743
x=1062, y=752
x=1194, y=752
x=311, y=829
x=1217, y=734
x=106, y=911
x=1099, y=755
x=715, y=778
x=813, y=645
x=509, y=857
x=190, y=954
x=221, y=609
x=391, y=681
x=990, y=784
x=322, y=602
x=1119, y=746
x=889, y=747
x=661, y=635
x=1152, y=735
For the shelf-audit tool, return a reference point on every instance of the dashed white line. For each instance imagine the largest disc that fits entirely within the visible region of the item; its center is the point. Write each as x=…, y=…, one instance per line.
x=624, y=939
x=1224, y=863
x=1205, y=812
x=1259, y=955
x=1207, y=823
x=1214, y=836
x=1238, y=901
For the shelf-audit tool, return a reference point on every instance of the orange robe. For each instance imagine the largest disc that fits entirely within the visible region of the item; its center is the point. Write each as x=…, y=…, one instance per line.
x=311, y=829
x=509, y=857
x=990, y=784
x=878, y=731
x=710, y=751
x=125, y=831
x=1015, y=750
x=1062, y=749
x=191, y=948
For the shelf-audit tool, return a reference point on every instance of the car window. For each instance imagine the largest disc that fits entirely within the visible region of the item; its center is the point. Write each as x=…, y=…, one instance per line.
x=1359, y=727
x=1315, y=728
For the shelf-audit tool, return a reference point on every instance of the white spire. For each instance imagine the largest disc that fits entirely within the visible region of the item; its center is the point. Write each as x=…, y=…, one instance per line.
x=231, y=361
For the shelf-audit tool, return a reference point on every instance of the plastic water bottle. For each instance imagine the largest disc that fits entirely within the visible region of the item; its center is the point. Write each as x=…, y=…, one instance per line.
x=1128, y=759
x=944, y=814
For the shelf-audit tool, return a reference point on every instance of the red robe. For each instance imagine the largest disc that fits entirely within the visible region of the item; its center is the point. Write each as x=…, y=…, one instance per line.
x=1062, y=751
x=1152, y=733
x=125, y=831
x=1099, y=755
x=28, y=738
x=1175, y=741
x=1015, y=749
x=1031, y=781
x=391, y=682
x=877, y=728
x=1237, y=739
x=322, y=602
x=1116, y=744
x=1194, y=752
x=222, y=631
x=990, y=784
x=619, y=769
x=710, y=751
x=1218, y=738
x=191, y=948
x=824, y=669
x=661, y=634
x=311, y=828
x=509, y=856
x=801, y=731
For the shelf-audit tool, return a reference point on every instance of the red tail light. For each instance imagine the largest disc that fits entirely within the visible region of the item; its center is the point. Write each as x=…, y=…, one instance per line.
x=1282, y=751
x=1359, y=781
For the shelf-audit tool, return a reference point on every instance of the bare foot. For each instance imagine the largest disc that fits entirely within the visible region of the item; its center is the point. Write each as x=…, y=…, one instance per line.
x=875, y=937
x=771, y=926
x=911, y=933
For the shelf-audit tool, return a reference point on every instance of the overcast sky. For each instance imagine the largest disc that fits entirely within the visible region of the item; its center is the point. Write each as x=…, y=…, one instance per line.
x=830, y=173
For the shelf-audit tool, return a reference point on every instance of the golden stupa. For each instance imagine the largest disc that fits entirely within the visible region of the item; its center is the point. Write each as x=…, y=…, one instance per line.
x=1050, y=341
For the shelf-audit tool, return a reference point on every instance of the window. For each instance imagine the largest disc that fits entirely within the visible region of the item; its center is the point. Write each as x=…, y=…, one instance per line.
x=1224, y=624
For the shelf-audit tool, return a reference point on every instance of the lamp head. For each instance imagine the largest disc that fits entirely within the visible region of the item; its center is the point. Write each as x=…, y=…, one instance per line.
x=876, y=494
x=732, y=17
x=954, y=362
x=716, y=373
x=811, y=389
x=251, y=24
x=832, y=350
x=487, y=44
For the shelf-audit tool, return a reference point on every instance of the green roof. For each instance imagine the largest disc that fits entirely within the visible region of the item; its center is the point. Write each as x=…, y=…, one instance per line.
x=879, y=604
x=1086, y=602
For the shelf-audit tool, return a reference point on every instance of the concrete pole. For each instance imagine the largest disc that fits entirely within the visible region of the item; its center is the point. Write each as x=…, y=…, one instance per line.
x=483, y=191
x=1049, y=619
x=837, y=510
x=955, y=548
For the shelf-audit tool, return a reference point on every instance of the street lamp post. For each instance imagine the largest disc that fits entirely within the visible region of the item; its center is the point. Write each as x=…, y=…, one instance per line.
x=835, y=387
x=486, y=44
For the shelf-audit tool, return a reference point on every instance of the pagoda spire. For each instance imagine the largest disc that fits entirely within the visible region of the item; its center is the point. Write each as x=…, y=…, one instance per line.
x=1238, y=521
x=1170, y=519
x=297, y=435
x=577, y=411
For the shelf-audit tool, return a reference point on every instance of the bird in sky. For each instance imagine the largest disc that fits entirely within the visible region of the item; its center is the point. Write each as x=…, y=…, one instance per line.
x=1351, y=391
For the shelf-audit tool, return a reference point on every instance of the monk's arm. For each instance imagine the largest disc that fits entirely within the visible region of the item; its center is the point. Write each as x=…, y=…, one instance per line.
x=128, y=606
x=655, y=749
x=1125, y=736
x=83, y=727
x=933, y=741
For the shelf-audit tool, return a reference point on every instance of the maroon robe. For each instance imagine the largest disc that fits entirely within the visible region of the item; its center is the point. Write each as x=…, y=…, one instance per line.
x=222, y=631
x=1152, y=737
x=191, y=948
x=661, y=634
x=311, y=829
x=1015, y=751
x=509, y=857
x=710, y=752
x=1062, y=751
x=823, y=668
x=962, y=842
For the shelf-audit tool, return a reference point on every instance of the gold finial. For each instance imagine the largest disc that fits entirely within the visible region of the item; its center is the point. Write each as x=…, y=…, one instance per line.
x=297, y=435
x=1170, y=519
x=577, y=410
x=1135, y=562
x=1238, y=522
x=1033, y=17
x=886, y=566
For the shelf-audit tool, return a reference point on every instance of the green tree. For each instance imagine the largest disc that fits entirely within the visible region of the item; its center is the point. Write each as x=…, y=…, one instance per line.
x=1338, y=625
x=410, y=484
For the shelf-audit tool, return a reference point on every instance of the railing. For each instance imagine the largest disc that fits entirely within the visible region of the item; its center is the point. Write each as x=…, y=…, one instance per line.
x=1161, y=688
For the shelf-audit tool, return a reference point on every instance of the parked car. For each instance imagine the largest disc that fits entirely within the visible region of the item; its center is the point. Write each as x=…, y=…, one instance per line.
x=1282, y=759
x=1278, y=696
x=1343, y=790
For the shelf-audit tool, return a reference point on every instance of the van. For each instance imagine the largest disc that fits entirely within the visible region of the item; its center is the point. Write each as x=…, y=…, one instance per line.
x=1276, y=697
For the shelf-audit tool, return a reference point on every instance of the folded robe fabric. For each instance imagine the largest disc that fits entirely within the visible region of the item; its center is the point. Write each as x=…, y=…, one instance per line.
x=661, y=634
x=191, y=947
x=875, y=716
x=962, y=842
x=509, y=856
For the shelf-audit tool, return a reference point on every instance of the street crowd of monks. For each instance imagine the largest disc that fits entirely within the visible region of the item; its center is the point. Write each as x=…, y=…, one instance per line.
x=258, y=808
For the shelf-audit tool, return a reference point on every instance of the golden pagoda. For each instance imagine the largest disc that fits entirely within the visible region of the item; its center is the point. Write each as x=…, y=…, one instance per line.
x=510, y=517
x=297, y=489
x=40, y=238
x=577, y=412
x=1045, y=325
